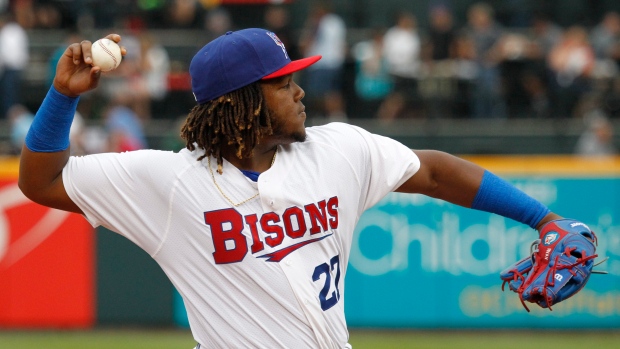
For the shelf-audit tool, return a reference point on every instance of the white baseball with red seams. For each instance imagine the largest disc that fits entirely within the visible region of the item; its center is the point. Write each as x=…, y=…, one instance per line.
x=106, y=54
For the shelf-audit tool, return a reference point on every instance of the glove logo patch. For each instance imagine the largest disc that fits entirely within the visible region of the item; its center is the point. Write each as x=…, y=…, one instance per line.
x=550, y=238
x=558, y=277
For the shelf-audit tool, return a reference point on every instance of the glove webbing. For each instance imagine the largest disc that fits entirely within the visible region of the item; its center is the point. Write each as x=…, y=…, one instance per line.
x=557, y=266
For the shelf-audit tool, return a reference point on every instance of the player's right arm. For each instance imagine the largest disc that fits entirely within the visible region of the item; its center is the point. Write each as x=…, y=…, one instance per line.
x=46, y=150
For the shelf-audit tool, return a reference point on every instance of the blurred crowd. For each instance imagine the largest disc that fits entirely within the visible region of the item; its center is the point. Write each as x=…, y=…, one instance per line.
x=485, y=70
x=477, y=69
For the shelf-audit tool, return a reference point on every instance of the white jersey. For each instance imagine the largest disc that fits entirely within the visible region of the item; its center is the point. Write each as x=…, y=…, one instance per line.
x=269, y=273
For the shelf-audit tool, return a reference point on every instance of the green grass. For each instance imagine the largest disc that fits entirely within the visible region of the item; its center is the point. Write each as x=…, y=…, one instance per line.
x=97, y=339
x=484, y=339
x=360, y=339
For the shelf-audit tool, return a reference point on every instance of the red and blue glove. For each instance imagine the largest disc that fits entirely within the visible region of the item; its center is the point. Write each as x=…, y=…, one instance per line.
x=559, y=266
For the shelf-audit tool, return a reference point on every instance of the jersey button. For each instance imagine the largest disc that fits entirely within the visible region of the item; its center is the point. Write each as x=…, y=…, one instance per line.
x=289, y=263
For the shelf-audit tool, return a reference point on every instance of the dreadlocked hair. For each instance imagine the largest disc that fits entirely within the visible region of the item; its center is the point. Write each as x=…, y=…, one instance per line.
x=237, y=118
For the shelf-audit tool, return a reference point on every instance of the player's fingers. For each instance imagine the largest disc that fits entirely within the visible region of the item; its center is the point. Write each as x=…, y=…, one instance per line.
x=95, y=74
x=114, y=37
x=86, y=51
x=75, y=52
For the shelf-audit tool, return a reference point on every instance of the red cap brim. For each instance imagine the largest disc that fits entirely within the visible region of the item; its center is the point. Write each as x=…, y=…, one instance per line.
x=293, y=67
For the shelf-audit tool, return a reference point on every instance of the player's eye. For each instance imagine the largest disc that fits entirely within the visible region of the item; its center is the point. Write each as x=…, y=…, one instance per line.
x=285, y=82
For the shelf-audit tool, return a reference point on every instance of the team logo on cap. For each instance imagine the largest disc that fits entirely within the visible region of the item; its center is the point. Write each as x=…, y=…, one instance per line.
x=278, y=42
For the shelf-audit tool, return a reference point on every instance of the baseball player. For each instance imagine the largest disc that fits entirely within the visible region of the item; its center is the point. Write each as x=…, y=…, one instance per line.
x=253, y=220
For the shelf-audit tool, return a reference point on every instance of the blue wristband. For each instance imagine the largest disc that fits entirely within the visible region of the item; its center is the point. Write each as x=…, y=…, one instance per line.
x=495, y=195
x=49, y=131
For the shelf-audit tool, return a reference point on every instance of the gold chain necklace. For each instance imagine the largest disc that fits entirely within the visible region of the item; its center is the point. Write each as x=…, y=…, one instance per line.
x=222, y=192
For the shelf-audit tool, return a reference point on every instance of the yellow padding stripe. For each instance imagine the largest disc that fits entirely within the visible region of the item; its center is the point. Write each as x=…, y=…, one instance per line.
x=9, y=167
x=557, y=166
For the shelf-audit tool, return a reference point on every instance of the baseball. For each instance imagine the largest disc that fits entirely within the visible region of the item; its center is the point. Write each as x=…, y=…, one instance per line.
x=106, y=54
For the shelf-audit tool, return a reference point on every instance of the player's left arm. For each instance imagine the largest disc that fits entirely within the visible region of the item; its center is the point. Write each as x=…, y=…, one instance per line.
x=452, y=179
x=444, y=176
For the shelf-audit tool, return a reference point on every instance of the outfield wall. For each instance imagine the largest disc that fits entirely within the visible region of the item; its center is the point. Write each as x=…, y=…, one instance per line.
x=47, y=262
x=415, y=261
x=420, y=262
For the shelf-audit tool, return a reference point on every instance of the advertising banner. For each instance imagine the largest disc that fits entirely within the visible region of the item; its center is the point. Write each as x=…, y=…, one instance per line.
x=424, y=263
x=46, y=262
x=420, y=262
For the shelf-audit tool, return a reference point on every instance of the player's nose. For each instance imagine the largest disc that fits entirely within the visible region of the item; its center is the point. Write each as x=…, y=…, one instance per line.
x=300, y=93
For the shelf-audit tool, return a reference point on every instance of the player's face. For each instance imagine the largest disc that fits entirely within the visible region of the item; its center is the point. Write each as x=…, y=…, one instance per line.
x=283, y=99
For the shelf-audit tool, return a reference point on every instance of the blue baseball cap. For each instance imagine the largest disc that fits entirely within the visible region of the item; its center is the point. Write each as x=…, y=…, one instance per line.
x=239, y=58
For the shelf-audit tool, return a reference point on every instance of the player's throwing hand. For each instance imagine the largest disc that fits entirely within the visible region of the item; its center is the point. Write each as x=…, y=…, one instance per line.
x=75, y=73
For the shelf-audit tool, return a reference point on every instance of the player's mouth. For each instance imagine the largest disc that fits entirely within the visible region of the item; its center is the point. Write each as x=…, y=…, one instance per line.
x=302, y=113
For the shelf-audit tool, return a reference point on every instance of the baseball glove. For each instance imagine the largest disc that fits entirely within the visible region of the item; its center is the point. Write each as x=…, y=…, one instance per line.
x=559, y=266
